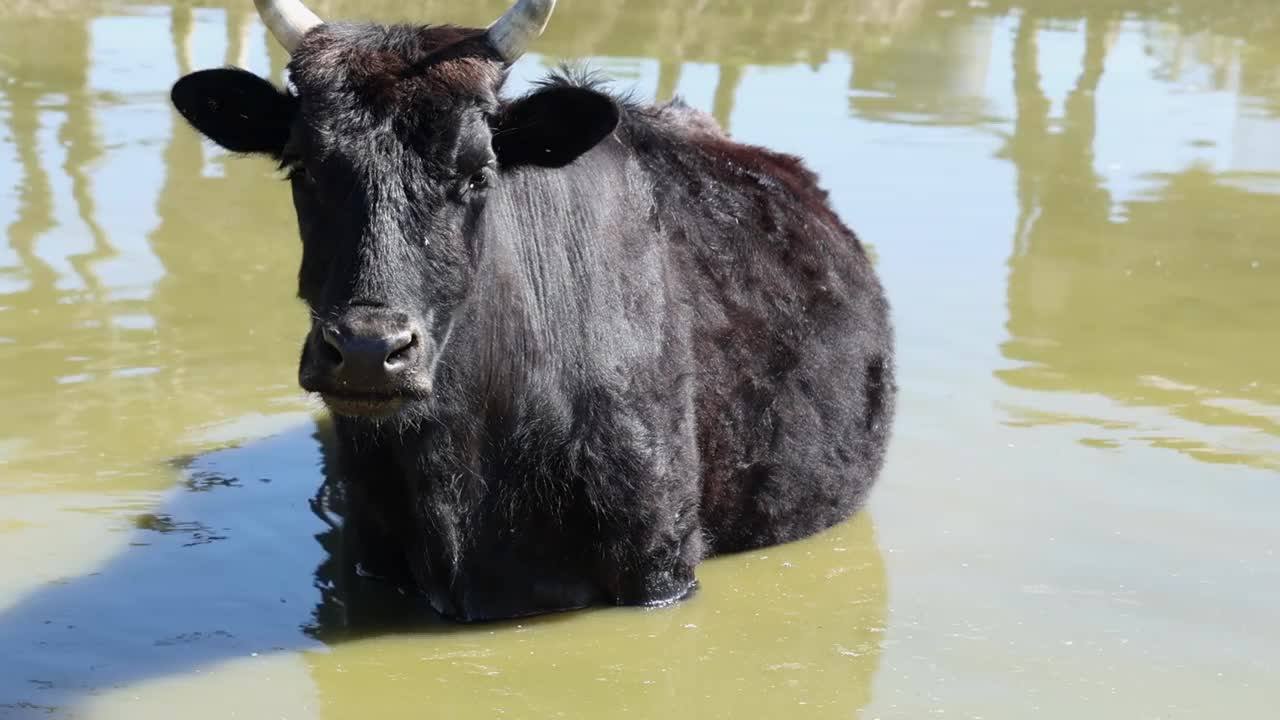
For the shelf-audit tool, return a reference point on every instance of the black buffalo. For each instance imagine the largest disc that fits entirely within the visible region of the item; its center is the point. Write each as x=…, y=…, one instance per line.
x=573, y=344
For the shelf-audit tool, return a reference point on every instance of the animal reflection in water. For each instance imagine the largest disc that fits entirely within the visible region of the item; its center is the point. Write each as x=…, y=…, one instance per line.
x=573, y=344
x=233, y=564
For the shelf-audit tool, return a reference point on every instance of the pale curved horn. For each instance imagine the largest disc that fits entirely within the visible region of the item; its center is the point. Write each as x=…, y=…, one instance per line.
x=513, y=33
x=288, y=20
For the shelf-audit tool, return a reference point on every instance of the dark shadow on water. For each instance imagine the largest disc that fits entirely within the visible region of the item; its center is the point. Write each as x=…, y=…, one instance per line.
x=223, y=569
x=247, y=556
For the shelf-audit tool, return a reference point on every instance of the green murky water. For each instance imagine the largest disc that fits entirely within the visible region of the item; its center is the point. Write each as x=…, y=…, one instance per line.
x=1075, y=207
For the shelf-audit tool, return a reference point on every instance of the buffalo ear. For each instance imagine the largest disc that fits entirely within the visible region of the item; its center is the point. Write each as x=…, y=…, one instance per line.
x=553, y=126
x=236, y=109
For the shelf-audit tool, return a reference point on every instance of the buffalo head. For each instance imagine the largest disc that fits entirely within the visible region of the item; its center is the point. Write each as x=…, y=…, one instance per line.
x=397, y=146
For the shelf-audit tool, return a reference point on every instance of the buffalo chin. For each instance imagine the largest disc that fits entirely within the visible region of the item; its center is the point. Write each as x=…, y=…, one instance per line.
x=363, y=406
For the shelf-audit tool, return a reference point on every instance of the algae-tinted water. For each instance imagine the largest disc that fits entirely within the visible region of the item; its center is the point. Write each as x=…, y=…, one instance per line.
x=1075, y=207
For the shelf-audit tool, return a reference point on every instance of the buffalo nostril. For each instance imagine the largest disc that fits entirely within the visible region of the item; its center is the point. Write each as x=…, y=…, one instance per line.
x=401, y=346
x=365, y=354
x=331, y=348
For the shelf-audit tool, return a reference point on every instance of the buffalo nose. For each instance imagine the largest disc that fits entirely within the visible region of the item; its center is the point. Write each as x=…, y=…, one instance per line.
x=369, y=357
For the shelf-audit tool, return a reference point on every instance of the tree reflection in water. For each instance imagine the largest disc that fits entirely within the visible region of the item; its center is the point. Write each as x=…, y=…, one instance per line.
x=1154, y=302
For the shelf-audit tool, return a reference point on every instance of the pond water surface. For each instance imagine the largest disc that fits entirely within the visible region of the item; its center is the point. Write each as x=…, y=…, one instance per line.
x=1075, y=207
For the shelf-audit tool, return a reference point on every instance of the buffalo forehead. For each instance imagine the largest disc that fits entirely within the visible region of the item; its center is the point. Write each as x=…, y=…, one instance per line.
x=376, y=91
x=387, y=68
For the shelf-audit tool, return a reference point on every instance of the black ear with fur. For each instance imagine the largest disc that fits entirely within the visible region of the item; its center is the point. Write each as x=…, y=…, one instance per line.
x=553, y=126
x=236, y=109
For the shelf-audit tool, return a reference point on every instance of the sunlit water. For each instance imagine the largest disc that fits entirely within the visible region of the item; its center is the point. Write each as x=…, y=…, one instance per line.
x=1075, y=207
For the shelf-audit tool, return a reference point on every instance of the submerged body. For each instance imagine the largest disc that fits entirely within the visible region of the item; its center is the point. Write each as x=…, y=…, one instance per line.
x=607, y=340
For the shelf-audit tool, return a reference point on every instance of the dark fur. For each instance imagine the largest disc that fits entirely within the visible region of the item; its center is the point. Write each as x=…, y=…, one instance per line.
x=646, y=343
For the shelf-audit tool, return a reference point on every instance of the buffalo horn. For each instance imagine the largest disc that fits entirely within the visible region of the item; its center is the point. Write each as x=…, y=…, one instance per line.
x=513, y=33
x=288, y=20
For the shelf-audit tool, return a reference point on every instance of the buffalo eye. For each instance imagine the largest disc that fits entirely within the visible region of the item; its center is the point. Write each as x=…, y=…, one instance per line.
x=474, y=184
